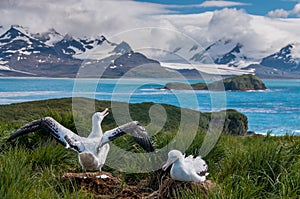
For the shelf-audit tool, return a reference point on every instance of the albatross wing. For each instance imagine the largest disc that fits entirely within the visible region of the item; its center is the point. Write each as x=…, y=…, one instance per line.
x=134, y=129
x=63, y=135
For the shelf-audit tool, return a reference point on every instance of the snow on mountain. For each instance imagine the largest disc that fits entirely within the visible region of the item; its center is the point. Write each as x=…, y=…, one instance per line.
x=38, y=54
x=212, y=69
x=15, y=43
x=11, y=35
x=222, y=51
x=18, y=40
x=49, y=38
x=101, y=48
x=259, y=36
x=232, y=56
x=211, y=53
x=286, y=59
x=231, y=40
x=222, y=56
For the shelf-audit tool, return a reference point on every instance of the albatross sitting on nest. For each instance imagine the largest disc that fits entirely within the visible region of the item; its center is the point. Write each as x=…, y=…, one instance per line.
x=92, y=150
x=186, y=168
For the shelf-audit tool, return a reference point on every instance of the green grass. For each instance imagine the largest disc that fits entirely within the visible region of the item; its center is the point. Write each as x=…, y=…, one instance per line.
x=240, y=166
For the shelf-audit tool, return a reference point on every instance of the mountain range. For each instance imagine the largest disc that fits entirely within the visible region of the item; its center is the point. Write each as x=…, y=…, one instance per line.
x=51, y=54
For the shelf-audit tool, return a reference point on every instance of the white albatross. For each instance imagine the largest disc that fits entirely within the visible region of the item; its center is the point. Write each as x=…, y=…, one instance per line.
x=92, y=150
x=186, y=168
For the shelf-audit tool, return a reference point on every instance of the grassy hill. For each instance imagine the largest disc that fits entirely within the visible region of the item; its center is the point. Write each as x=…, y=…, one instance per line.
x=235, y=123
x=240, y=166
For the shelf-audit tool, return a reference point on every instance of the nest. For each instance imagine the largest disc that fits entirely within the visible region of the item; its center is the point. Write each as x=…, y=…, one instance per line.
x=170, y=188
x=107, y=187
x=112, y=187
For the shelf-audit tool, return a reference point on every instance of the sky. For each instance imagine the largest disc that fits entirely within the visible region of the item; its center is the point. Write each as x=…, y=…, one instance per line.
x=77, y=17
x=256, y=7
x=260, y=26
x=110, y=15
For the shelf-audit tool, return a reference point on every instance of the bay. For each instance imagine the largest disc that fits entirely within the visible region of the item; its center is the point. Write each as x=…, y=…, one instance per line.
x=276, y=110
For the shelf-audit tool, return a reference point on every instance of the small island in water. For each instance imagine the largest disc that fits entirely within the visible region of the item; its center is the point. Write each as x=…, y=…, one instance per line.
x=238, y=83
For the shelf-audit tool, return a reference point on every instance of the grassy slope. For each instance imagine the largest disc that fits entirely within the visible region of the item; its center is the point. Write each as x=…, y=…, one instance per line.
x=242, y=167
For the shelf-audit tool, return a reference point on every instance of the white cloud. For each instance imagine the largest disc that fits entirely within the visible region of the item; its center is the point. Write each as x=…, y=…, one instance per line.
x=281, y=13
x=211, y=3
x=278, y=13
x=146, y=25
x=221, y=4
x=229, y=23
x=80, y=17
x=296, y=10
x=260, y=35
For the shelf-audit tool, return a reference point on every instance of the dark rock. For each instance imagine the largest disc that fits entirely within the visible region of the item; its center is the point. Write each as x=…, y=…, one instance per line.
x=237, y=83
x=242, y=83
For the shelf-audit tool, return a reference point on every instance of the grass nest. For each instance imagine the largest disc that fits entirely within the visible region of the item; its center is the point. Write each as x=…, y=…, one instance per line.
x=102, y=187
x=170, y=188
x=112, y=187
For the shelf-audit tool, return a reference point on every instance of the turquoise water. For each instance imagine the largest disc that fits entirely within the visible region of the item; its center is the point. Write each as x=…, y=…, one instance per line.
x=276, y=109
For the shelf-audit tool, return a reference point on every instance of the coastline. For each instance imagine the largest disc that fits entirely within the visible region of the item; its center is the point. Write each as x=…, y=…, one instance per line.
x=52, y=90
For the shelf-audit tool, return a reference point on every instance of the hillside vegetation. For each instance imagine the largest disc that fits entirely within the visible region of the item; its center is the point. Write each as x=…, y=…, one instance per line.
x=235, y=123
x=240, y=166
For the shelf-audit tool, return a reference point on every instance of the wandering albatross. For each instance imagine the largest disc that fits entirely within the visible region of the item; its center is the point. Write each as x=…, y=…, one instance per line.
x=186, y=168
x=92, y=150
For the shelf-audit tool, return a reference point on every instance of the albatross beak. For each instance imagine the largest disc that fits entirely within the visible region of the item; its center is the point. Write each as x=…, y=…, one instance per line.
x=104, y=113
x=166, y=165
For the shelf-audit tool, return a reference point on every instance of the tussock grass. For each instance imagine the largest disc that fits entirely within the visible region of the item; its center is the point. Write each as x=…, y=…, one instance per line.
x=240, y=167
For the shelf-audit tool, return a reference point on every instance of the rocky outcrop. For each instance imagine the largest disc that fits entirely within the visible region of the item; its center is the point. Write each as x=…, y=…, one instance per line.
x=238, y=83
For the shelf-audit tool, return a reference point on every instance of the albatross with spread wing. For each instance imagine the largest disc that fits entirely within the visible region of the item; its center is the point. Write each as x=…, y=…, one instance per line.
x=92, y=150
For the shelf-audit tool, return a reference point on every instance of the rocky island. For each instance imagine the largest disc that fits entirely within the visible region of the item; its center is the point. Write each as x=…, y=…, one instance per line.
x=238, y=83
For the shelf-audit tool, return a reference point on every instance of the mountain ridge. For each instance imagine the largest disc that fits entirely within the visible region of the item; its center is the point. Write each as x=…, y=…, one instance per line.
x=52, y=54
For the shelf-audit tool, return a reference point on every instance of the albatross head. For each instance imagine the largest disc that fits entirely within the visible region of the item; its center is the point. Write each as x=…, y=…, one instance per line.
x=99, y=116
x=173, y=155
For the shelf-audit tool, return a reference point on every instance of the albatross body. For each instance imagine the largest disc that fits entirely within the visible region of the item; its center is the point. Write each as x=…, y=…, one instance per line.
x=186, y=168
x=92, y=150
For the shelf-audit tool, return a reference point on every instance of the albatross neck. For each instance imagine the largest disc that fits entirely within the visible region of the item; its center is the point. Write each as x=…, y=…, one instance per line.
x=96, y=127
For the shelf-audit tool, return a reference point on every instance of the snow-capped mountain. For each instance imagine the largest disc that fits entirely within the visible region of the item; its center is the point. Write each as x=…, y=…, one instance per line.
x=227, y=57
x=286, y=59
x=14, y=42
x=56, y=55
x=221, y=52
x=49, y=38
x=22, y=53
x=232, y=56
x=51, y=54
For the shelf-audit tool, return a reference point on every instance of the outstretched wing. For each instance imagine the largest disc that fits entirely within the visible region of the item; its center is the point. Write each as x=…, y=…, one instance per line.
x=134, y=129
x=63, y=135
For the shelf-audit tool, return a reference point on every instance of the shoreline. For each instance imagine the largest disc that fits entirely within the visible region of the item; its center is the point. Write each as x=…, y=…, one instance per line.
x=129, y=78
x=249, y=133
x=13, y=95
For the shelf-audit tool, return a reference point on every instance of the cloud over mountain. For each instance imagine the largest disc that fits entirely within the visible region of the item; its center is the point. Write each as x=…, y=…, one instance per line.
x=149, y=25
x=83, y=17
